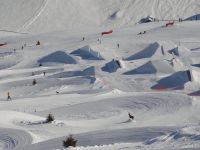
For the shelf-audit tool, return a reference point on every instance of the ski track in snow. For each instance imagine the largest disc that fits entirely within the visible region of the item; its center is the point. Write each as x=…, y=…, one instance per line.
x=35, y=16
x=10, y=138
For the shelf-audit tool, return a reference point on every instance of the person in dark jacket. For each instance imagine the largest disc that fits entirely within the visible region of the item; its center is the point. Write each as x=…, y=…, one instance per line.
x=130, y=116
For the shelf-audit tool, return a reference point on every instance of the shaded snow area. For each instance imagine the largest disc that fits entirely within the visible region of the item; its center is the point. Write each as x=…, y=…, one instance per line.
x=93, y=70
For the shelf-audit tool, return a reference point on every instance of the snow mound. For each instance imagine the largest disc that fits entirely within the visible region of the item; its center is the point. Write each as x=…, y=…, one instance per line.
x=58, y=57
x=88, y=53
x=117, y=91
x=152, y=67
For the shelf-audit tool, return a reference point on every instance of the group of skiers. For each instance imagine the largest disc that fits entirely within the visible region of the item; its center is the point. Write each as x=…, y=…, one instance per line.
x=24, y=45
x=99, y=40
x=144, y=32
x=131, y=117
x=34, y=82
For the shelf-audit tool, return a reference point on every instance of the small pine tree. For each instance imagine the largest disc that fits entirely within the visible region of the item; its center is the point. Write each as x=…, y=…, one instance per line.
x=50, y=118
x=70, y=141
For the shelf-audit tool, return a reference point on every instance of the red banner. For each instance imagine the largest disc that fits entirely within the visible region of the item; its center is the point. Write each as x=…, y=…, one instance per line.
x=107, y=32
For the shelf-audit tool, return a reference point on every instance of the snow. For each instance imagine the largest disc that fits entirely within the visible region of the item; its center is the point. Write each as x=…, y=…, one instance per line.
x=91, y=85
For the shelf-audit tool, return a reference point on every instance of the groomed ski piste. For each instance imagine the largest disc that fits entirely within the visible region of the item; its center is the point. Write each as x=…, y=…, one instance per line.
x=90, y=84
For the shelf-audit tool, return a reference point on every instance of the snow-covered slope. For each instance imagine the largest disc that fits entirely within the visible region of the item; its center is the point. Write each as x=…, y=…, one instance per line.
x=49, y=15
x=90, y=86
x=92, y=83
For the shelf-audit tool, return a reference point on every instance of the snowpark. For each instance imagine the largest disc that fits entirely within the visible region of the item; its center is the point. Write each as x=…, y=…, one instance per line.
x=90, y=68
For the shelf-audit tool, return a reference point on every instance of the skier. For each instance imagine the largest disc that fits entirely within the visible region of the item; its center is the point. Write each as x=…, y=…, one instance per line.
x=44, y=73
x=118, y=45
x=38, y=43
x=9, y=98
x=83, y=39
x=34, y=82
x=99, y=40
x=131, y=117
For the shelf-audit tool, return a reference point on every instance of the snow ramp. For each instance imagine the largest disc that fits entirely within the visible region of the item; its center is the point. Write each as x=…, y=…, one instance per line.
x=87, y=53
x=148, y=52
x=175, y=81
x=152, y=67
x=58, y=57
x=90, y=71
x=193, y=17
x=112, y=66
x=179, y=51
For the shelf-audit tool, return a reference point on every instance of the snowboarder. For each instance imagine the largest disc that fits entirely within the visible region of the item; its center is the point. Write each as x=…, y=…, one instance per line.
x=9, y=98
x=131, y=117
